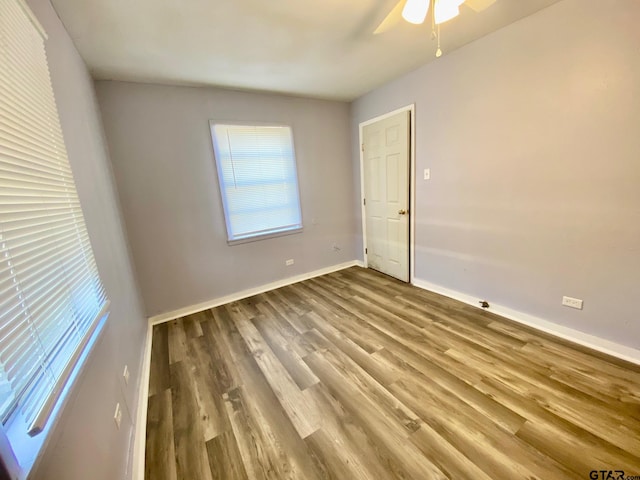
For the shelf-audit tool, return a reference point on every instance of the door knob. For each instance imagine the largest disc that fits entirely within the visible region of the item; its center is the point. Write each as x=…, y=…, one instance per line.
x=402, y=212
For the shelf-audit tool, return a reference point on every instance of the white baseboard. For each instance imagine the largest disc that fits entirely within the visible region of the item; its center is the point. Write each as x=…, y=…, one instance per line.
x=140, y=427
x=576, y=336
x=216, y=302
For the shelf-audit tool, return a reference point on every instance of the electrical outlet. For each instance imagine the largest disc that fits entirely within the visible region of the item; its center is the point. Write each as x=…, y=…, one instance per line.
x=572, y=302
x=289, y=262
x=126, y=375
x=117, y=417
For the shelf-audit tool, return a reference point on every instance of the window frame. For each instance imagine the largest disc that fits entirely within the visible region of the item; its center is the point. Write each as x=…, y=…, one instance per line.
x=267, y=235
x=22, y=443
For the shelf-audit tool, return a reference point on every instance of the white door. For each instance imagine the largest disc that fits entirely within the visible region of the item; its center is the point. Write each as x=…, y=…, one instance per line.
x=386, y=186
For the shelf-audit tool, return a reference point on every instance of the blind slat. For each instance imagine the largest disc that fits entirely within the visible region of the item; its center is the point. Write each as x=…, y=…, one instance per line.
x=26, y=158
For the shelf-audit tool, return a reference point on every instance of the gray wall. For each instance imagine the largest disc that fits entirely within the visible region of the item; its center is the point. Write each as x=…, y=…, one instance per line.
x=85, y=443
x=163, y=160
x=532, y=138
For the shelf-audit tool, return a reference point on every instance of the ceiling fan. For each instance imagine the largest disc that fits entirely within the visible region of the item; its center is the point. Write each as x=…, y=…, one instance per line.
x=415, y=11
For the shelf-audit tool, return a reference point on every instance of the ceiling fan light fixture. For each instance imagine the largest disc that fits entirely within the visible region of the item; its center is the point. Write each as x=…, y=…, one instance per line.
x=415, y=11
x=445, y=10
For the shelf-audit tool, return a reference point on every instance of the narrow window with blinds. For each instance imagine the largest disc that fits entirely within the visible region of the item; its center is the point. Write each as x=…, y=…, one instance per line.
x=51, y=296
x=258, y=180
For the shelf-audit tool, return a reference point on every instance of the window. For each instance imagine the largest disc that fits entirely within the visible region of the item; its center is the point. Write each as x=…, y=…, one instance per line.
x=258, y=180
x=51, y=296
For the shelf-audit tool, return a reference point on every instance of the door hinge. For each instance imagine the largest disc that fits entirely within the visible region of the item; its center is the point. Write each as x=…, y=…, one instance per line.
x=364, y=201
x=363, y=147
x=366, y=250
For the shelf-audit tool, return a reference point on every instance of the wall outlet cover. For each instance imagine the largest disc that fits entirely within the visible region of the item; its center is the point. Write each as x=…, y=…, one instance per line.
x=572, y=302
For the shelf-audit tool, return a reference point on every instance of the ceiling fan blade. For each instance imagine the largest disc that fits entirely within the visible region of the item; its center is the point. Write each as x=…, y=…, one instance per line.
x=479, y=5
x=391, y=19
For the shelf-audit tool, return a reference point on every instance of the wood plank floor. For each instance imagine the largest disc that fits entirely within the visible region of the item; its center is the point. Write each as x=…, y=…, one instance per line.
x=354, y=375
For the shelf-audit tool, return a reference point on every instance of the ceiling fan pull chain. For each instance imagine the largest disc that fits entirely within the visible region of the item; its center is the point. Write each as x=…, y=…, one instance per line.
x=438, y=51
x=433, y=19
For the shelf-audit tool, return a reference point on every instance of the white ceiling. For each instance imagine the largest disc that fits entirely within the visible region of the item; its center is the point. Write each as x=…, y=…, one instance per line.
x=313, y=48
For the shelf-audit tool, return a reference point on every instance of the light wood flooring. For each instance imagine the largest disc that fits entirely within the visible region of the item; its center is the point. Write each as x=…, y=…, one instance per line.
x=354, y=375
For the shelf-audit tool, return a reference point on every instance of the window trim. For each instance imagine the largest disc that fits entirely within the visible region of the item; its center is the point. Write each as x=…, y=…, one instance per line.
x=27, y=452
x=265, y=236
x=21, y=444
x=271, y=234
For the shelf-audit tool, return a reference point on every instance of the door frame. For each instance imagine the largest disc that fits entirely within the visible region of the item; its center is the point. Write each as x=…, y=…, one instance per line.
x=412, y=181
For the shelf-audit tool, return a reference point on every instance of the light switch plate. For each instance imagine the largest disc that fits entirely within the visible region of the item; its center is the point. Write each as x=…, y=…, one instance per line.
x=427, y=174
x=117, y=416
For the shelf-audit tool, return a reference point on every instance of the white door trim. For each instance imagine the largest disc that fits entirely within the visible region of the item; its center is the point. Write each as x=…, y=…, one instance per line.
x=412, y=182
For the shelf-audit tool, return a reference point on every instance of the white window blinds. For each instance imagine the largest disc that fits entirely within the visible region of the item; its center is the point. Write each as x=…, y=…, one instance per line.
x=258, y=179
x=51, y=296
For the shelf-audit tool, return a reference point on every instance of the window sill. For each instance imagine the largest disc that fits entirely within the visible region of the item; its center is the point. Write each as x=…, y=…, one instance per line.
x=27, y=450
x=265, y=236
